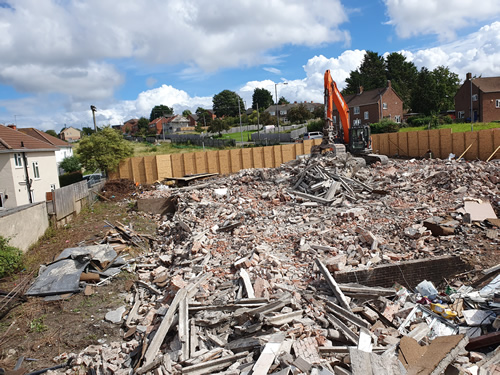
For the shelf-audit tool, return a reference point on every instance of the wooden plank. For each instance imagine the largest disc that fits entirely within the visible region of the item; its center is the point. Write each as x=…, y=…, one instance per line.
x=201, y=162
x=268, y=355
x=393, y=144
x=246, y=156
x=164, y=166
x=403, y=144
x=446, y=143
x=287, y=152
x=471, y=138
x=162, y=331
x=350, y=335
x=458, y=143
x=183, y=328
x=413, y=144
x=485, y=139
x=177, y=165
x=224, y=166
x=384, y=144
x=236, y=160
x=151, y=173
x=248, y=284
x=434, y=144
x=423, y=142
x=268, y=156
x=333, y=285
x=215, y=365
x=257, y=157
x=213, y=162
x=189, y=163
x=343, y=313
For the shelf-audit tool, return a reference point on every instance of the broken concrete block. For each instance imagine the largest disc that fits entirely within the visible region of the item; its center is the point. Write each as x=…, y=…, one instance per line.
x=115, y=316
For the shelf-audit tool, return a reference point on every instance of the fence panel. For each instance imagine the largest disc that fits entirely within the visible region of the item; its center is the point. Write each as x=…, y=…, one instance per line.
x=403, y=144
x=65, y=198
x=485, y=139
x=458, y=143
x=446, y=143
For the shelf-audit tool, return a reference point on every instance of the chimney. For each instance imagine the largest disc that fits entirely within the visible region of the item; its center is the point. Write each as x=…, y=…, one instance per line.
x=468, y=76
x=12, y=127
x=295, y=102
x=389, y=85
x=360, y=90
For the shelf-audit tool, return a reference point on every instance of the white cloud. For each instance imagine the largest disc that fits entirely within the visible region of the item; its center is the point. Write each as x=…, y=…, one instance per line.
x=151, y=81
x=439, y=17
x=272, y=70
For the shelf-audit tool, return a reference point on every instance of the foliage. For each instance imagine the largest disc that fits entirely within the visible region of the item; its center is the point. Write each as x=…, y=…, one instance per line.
x=159, y=111
x=186, y=112
x=103, y=150
x=199, y=127
x=298, y=114
x=11, y=258
x=261, y=99
x=402, y=74
x=282, y=100
x=70, y=164
x=315, y=126
x=385, y=126
x=70, y=178
x=204, y=116
x=371, y=74
x=143, y=123
x=319, y=112
x=86, y=131
x=226, y=102
x=218, y=126
x=51, y=132
x=38, y=325
x=265, y=118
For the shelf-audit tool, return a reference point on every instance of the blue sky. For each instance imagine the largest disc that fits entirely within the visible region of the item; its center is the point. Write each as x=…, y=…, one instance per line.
x=60, y=57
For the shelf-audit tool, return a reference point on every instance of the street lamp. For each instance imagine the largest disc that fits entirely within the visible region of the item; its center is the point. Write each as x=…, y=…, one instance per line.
x=277, y=113
x=93, y=109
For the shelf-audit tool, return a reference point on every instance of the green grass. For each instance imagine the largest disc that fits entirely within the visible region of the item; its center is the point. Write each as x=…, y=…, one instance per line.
x=237, y=136
x=146, y=149
x=456, y=128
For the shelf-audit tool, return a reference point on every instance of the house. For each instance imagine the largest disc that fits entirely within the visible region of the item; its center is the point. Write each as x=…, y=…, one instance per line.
x=159, y=124
x=284, y=108
x=70, y=134
x=131, y=126
x=176, y=124
x=479, y=99
x=64, y=149
x=371, y=106
x=28, y=168
x=193, y=119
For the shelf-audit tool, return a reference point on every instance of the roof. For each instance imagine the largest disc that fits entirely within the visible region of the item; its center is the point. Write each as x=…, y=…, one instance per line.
x=487, y=84
x=68, y=128
x=14, y=140
x=283, y=107
x=366, y=97
x=42, y=136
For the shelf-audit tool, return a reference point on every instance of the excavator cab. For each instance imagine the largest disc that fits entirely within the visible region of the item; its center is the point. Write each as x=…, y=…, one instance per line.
x=359, y=138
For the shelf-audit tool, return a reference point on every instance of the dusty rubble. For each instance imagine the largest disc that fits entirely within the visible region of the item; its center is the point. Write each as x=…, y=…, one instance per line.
x=241, y=276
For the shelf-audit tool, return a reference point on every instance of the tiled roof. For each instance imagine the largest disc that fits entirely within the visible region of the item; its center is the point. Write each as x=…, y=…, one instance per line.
x=488, y=84
x=42, y=136
x=11, y=139
x=366, y=97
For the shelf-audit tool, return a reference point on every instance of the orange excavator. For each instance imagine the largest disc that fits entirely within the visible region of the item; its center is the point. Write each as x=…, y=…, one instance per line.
x=341, y=136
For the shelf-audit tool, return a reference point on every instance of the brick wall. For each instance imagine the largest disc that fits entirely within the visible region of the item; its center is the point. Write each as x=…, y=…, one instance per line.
x=489, y=111
x=408, y=274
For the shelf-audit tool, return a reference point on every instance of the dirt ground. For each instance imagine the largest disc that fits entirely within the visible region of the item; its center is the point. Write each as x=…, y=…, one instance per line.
x=40, y=330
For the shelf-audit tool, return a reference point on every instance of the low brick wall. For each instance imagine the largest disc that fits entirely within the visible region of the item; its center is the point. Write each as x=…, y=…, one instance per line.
x=408, y=274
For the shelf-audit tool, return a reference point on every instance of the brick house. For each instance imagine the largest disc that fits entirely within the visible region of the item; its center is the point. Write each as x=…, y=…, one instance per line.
x=371, y=106
x=479, y=97
x=70, y=134
x=284, y=108
x=159, y=124
x=131, y=126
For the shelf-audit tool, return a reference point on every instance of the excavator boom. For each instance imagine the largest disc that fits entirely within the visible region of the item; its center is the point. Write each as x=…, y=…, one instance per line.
x=334, y=97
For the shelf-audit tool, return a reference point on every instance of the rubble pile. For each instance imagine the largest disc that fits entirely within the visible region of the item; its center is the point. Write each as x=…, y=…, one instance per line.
x=241, y=278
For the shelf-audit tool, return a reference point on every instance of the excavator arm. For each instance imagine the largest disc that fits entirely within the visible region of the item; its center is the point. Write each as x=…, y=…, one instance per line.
x=333, y=97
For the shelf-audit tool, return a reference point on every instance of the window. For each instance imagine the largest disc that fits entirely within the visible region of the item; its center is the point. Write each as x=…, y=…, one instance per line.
x=397, y=118
x=367, y=115
x=497, y=103
x=357, y=121
x=474, y=98
x=356, y=110
x=272, y=113
x=461, y=114
x=384, y=105
x=18, y=159
x=2, y=198
x=282, y=112
x=334, y=119
x=36, y=172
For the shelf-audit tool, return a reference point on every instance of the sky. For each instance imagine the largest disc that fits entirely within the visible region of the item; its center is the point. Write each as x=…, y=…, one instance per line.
x=59, y=57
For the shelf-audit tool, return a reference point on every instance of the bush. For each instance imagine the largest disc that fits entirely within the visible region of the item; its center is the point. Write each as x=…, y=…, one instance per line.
x=11, y=258
x=315, y=126
x=447, y=119
x=417, y=121
x=385, y=126
x=70, y=178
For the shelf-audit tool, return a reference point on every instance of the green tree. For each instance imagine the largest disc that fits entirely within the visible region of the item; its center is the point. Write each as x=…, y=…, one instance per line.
x=218, y=125
x=143, y=125
x=87, y=131
x=403, y=75
x=159, y=111
x=298, y=114
x=265, y=118
x=447, y=85
x=319, y=112
x=104, y=150
x=425, y=97
x=70, y=164
x=261, y=98
x=282, y=100
x=371, y=74
x=204, y=117
x=225, y=103
x=186, y=112
x=51, y=132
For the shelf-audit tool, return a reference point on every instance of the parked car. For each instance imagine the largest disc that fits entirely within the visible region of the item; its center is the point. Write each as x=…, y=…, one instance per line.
x=92, y=179
x=313, y=135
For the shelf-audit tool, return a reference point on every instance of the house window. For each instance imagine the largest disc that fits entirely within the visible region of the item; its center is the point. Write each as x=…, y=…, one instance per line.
x=397, y=118
x=272, y=113
x=356, y=110
x=18, y=159
x=384, y=105
x=282, y=112
x=474, y=98
x=2, y=198
x=36, y=172
x=357, y=121
x=367, y=115
x=461, y=114
x=497, y=103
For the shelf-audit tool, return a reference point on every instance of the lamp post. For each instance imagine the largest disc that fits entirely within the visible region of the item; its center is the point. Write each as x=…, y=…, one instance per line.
x=277, y=113
x=471, y=112
x=93, y=109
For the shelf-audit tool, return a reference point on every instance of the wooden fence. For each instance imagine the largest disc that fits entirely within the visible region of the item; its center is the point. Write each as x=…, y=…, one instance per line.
x=67, y=200
x=441, y=142
x=148, y=169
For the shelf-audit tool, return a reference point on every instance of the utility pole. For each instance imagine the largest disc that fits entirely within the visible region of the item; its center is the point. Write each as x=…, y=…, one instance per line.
x=241, y=127
x=277, y=113
x=94, y=109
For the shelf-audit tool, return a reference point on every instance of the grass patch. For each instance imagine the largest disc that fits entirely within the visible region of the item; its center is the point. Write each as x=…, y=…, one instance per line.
x=37, y=325
x=456, y=128
x=11, y=258
x=247, y=136
x=147, y=149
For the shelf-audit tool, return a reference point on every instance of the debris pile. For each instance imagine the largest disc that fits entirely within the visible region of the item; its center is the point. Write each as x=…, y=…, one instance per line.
x=243, y=277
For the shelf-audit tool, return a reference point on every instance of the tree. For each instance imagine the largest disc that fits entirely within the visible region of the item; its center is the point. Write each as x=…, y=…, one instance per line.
x=87, y=131
x=218, y=125
x=204, y=117
x=371, y=74
x=262, y=99
x=70, y=164
x=447, y=85
x=299, y=114
x=267, y=119
x=282, y=100
x=319, y=112
x=159, y=111
x=225, y=103
x=143, y=125
x=403, y=75
x=425, y=98
x=51, y=132
x=103, y=150
x=186, y=112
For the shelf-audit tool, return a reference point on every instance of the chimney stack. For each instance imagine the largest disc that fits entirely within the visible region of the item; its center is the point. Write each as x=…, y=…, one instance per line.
x=468, y=76
x=360, y=90
x=389, y=84
x=12, y=126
